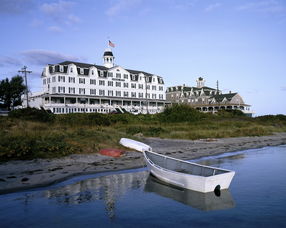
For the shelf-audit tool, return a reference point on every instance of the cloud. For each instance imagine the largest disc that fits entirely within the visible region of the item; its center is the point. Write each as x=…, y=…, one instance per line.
x=120, y=6
x=43, y=57
x=9, y=61
x=183, y=5
x=55, y=29
x=16, y=6
x=267, y=6
x=60, y=12
x=212, y=7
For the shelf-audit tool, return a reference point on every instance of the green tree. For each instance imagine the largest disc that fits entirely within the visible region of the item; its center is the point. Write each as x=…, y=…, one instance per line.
x=11, y=92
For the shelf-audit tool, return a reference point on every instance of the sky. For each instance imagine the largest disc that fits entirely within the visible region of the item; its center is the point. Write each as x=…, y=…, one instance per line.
x=240, y=43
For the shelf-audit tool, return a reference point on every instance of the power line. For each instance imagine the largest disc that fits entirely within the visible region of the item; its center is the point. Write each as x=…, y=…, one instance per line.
x=25, y=71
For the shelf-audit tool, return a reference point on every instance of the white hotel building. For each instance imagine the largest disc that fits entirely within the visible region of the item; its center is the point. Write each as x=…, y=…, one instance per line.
x=73, y=87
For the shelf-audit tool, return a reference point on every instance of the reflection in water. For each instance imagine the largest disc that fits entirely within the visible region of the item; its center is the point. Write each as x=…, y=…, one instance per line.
x=218, y=161
x=107, y=188
x=203, y=201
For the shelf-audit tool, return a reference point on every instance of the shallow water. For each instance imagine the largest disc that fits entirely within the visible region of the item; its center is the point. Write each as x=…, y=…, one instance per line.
x=133, y=198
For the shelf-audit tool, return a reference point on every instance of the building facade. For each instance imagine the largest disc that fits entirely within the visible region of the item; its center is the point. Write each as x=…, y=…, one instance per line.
x=72, y=87
x=206, y=99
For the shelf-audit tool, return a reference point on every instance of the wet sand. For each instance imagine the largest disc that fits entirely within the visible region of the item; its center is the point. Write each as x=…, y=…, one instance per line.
x=19, y=175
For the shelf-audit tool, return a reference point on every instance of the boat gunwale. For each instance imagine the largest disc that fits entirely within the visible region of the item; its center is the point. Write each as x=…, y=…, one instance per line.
x=192, y=163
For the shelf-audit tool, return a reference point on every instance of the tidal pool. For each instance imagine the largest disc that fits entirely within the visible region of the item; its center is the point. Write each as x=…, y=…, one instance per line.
x=133, y=198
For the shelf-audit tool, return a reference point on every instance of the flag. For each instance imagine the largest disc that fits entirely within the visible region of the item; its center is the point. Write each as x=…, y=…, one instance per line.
x=111, y=44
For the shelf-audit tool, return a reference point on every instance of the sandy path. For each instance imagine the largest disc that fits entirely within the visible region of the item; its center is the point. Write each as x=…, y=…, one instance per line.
x=17, y=175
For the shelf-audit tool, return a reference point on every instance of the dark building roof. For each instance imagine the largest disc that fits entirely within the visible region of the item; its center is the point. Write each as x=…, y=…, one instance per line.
x=102, y=68
x=83, y=65
x=108, y=53
x=220, y=97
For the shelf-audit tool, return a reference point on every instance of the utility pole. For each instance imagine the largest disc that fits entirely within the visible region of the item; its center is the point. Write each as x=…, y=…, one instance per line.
x=146, y=100
x=25, y=71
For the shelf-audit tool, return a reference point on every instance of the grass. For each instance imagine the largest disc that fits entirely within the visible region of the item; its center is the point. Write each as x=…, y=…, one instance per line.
x=32, y=133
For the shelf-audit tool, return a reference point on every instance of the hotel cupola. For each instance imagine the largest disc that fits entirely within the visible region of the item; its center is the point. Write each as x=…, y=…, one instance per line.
x=200, y=82
x=108, y=58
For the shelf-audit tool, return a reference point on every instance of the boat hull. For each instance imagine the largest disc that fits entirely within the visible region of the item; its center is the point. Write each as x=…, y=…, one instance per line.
x=133, y=144
x=193, y=182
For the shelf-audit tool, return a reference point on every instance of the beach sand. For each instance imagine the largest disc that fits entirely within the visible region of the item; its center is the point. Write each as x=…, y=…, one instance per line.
x=19, y=175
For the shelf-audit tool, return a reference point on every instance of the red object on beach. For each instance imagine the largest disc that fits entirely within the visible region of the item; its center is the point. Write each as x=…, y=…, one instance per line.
x=111, y=152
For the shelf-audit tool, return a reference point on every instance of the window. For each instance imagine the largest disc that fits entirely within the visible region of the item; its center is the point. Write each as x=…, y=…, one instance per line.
x=148, y=95
x=92, y=91
x=118, y=75
x=61, y=89
x=93, y=81
x=110, y=83
x=125, y=76
x=140, y=95
x=61, y=68
x=153, y=96
x=110, y=93
x=72, y=90
x=148, y=86
x=101, y=82
x=161, y=88
x=101, y=92
x=81, y=91
x=54, y=89
x=133, y=77
x=81, y=70
x=110, y=74
x=125, y=85
x=71, y=80
x=153, y=87
x=71, y=70
x=125, y=94
x=49, y=80
x=54, y=79
x=133, y=94
x=81, y=80
x=140, y=86
x=118, y=84
x=153, y=79
x=61, y=78
x=118, y=93
x=44, y=82
x=92, y=72
x=133, y=85
x=161, y=96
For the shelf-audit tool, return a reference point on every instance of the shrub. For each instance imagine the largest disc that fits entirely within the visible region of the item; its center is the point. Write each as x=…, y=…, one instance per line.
x=32, y=114
x=24, y=147
x=180, y=113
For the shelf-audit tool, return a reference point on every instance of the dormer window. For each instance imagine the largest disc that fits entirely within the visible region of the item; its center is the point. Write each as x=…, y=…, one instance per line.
x=101, y=73
x=61, y=68
x=71, y=70
x=81, y=70
x=92, y=72
x=133, y=77
x=53, y=69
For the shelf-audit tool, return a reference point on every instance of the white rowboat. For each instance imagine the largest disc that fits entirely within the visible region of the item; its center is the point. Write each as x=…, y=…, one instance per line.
x=181, y=173
x=186, y=174
x=133, y=144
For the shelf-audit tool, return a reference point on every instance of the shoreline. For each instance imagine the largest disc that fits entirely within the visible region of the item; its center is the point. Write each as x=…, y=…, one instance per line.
x=22, y=175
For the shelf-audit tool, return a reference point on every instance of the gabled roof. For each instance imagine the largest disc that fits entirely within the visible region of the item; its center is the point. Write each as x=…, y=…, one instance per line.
x=138, y=72
x=220, y=97
x=83, y=65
